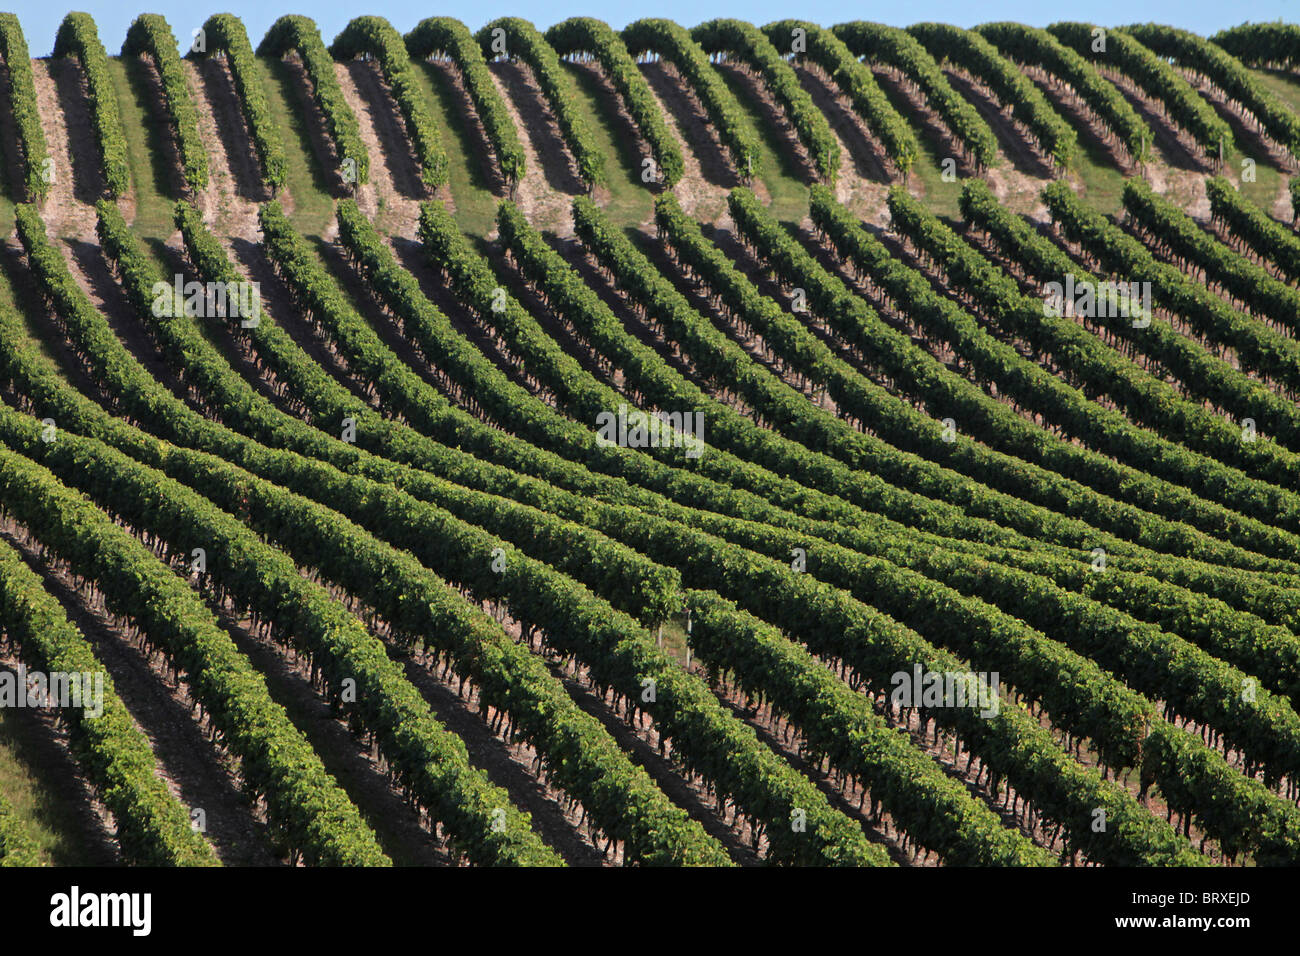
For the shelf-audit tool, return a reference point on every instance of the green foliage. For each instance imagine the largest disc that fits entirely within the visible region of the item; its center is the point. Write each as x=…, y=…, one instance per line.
x=153, y=828
x=579, y=755
x=1034, y=47
x=1177, y=236
x=265, y=583
x=27, y=115
x=446, y=36
x=298, y=34
x=672, y=42
x=1156, y=78
x=1251, y=225
x=754, y=780
x=1273, y=45
x=747, y=44
x=17, y=846
x=1097, y=631
x=1256, y=43
x=524, y=43
x=151, y=36
x=967, y=50
x=375, y=36
x=585, y=36
x=856, y=82
x=898, y=49
x=1259, y=347
x=1162, y=477
x=307, y=810
x=1203, y=373
x=837, y=722
x=77, y=37
x=225, y=33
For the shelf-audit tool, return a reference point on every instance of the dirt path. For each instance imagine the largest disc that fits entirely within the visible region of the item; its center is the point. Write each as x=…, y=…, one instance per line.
x=395, y=187
x=65, y=120
x=702, y=190
x=550, y=180
x=698, y=197
x=865, y=172
x=235, y=184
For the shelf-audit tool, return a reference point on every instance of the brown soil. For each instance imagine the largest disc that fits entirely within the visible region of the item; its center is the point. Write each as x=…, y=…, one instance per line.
x=865, y=172
x=395, y=184
x=698, y=138
x=235, y=184
x=550, y=174
x=70, y=136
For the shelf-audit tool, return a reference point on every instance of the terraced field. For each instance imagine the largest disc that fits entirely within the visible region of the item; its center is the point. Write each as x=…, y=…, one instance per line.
x=721, y=446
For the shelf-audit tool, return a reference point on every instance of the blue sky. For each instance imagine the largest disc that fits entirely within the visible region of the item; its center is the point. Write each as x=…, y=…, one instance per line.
x=40, y=20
